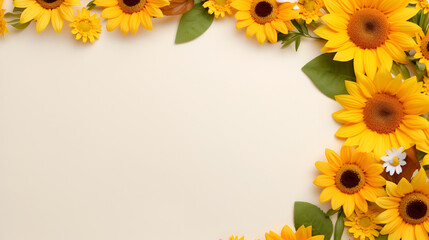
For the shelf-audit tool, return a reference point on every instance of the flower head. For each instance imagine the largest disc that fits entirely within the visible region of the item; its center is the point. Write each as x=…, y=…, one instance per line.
x=394, y=160
x=264, y=18
x=362, y=224
x=422, y=48
x=349, y=179
x=130, y=14
x=421, y=4
x=303, y=233
x=218, y=7
x=369, y=32
x=382, y=112
x=85, y=26
x=309, y=10
x=44, y=11
x=406, y=207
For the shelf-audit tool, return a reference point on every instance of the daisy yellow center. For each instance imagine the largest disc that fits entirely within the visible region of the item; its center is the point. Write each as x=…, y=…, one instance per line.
x=131, y=6
x=383, y=113
x=309, y=5
x=220, y=2
x=85, y=25
x=414, y=208
x=395, y=161
x=264, y=11
x=50, y=4
x=368, y=28
x=365, y=222
x=350, y=179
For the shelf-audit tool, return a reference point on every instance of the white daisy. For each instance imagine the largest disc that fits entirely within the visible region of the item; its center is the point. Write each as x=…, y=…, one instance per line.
x=394, y=160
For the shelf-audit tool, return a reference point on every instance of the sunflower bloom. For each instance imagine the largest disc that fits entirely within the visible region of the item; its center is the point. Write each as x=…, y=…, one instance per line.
x=264, y=18
x=86, y=26
x=349, y=180
x=303, y=233
x=3, y=22
x=370, y=33
x=421, y=5
x=382, y=113
x=218, y=7
x=362, y=224
x=43, y=11
x=407, y=209
x=129, y=14
x=422, y=48
x=309, y=10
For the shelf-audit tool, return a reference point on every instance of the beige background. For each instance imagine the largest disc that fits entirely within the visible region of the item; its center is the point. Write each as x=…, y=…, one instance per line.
x=134, y=137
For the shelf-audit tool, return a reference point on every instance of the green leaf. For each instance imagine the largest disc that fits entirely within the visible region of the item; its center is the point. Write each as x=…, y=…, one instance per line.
x=395, y=69
x=197, y=2
x=329, y=75
x=382, y=237
x=308, y=214
x=12, y=15
x=15, y=9
x=331, y=212
x=339, y=225
x=404, y=71
x=420, y=71
x=297, y=43
x=420, y=155
x=91, y=5
x=193, y=24
x=19, y=25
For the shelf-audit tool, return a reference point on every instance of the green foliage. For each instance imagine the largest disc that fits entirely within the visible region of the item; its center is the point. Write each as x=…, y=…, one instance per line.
x=91, y=5
x=329, y=75
x=193, y=24
x=422, y=20
x=339, y=225
x=382, y=237
x=420, y=155
x=331, y=212
x=16, y=16
x=291, y=37
x=308, y=214
x=399, y=68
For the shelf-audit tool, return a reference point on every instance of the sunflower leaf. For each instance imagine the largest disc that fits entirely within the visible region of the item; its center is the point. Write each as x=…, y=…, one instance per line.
x=12, y=15
x=404, y=71
x=339, y=225
x=91, y=5
x=331, y=212
x=420, y=71
x=329, y=75
x=297, y=43
x=382, y=237
x=19, y=25
x=308, y=214
x=193, y=24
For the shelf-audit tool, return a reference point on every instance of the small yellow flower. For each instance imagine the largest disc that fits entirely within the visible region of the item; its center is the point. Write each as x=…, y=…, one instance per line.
x=362, y=225
x=309, y=10
x=218, y=7
x=3, y=22
x=303, y=233
x=421, y=4
x=85, y=26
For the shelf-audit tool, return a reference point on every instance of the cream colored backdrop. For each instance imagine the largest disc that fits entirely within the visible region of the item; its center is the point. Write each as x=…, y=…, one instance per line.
x=135, y=137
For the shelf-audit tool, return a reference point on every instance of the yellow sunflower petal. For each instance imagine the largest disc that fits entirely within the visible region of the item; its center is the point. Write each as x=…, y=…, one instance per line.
x=125, y=23
x=271, y=33
x=350, y=130
x=30, y=13
x=134, y=22
x=145, y=20
x=287, y=233
x=404, y=187
x=113, y=23
x=260, y=34
x=111, y=12
x=43, y=21
x=57, y=21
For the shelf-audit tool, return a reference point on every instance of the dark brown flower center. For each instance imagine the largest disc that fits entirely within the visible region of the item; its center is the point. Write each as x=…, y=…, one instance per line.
x=264, y=11
x=414, y=208
x=383, y=113
x=131, y=6
x=50, y=4
x=368, y=28
x=350, y=179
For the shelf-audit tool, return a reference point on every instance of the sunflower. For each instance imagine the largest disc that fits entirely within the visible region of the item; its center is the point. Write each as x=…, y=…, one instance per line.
x=3, y=22
x=372, y=32
x=349, y=179
x=422, y=48
x=130, y=13
x=86, y=26
x=382, y=113
x=264, y=18
x=218, y=7
x=309, y=10
x=407, y=209
x=43, y=11
x=303, y=233
x=235, y=238
x=362, y=225
x=421, y=4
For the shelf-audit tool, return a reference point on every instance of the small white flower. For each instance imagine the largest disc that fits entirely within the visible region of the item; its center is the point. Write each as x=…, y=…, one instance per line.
x=394, y=160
